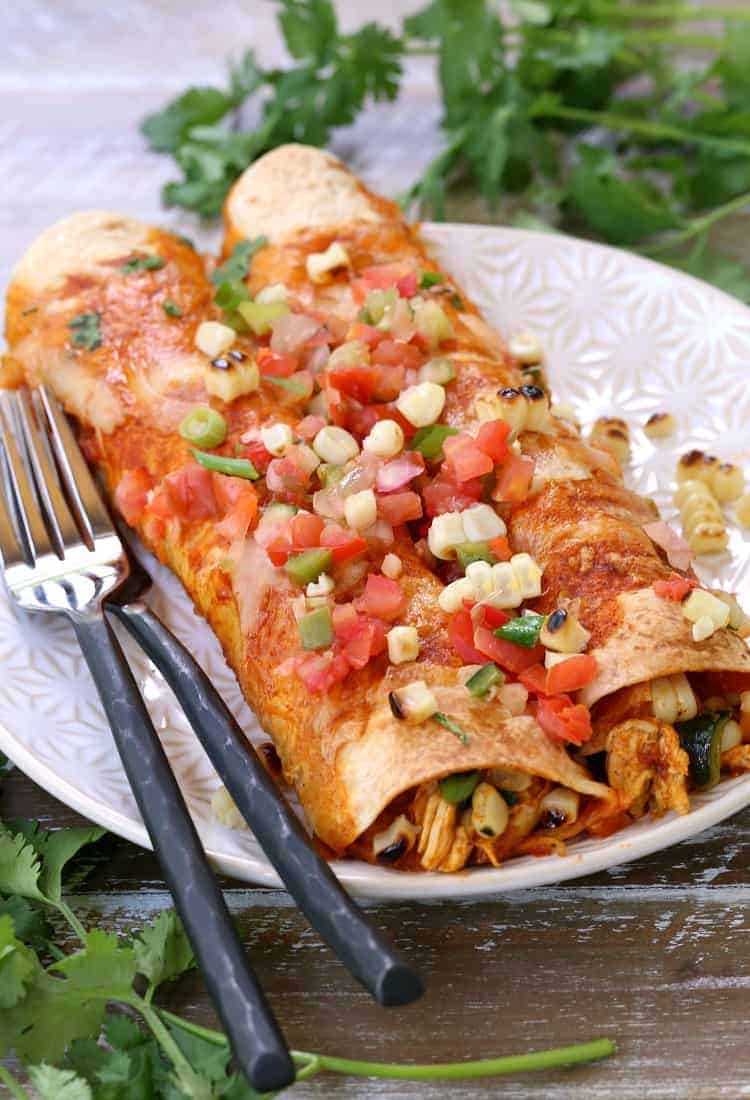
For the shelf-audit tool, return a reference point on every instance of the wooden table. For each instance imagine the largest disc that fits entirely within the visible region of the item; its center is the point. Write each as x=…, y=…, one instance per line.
x=652, y=954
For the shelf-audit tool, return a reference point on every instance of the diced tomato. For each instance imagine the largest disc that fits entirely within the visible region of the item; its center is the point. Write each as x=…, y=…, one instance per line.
x=383, y=276
x=305, y=530
x=493, y=617
x=508, y=655
x=309, y=427
x=399, y=508
x=279, y=549
x=395, y=353
x=390, y=381
x=514, y=480
x=500, y=547
x=131, y=494
x=571, y=674
x=345, y=619
x=675, y=587
x=320, y=671
x=407, y=286
x=368, y=334
x=160, y=504
x=382, y=598
x=365, y=641
x=464, y=460
x=344, y=544
x=258, y=455
x=492, y=438
x=535, y=679
x=564, y=721
x=286, y=478
x=461, y=635
x=359, y=382
x=445, y=495
x=242, y=516
x=276, y=363
x=191, y=493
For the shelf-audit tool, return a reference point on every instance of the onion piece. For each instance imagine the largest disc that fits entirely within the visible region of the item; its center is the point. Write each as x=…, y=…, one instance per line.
x=397, y=474
x=679, y=554
x=291, y=331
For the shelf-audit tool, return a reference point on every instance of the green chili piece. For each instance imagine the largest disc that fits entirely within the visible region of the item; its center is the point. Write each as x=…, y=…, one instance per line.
x=467, y=552
x=307, y=566
x=523, y=631
x=457, y=788
x=449, y=724
x=316, y=629
x=232, y=467
x=204, y=426
x=485, y=678
x=429, y=441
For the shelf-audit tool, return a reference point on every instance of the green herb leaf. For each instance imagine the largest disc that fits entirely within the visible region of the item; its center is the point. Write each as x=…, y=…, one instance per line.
x=168, y=129
x=235, y=268
x=58, y=1084
x=142, y=263
x=19, y=866
x=18, y=964
x=449, y=724
x=86, y=330
x=55, y=850
x=29, y=921
x=171, y=308
x=162, y=950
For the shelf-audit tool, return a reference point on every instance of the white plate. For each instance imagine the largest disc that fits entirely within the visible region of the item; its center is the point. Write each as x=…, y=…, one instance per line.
x=623, y=336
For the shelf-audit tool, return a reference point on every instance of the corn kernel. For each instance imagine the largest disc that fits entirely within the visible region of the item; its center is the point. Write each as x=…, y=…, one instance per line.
x=335, y=445
x=422, y=404
x=526, y=348
x=560, y=807
x=277, y=438
x=274, y=292
x=613, y=434
x=672, y=698
x=703, y=628
x=353, y=353
x=414, y=702
x=489, y=811
x=452, y=597
x=361, y=510
x=563, y=633
x=660, y=426
x=514, y=698
x=403, y=644
x=439, y=370
x=702, y=605
x=213, y=338
x=235, y=381
x=445, y=534
x=528, y=575
x=482, y=523
x=480, y=575
x=506, y=588
x=385, y=440
x=392, y=567
x=321, y=264
x=727, y=482
x=731, y=735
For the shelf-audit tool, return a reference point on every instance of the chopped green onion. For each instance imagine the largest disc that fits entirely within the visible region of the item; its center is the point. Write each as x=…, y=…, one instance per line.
x=485, y=678
x=316, y=629
x=430, y=278
x=522, y=631
x=467, y=552
x=171, y=308
x=449, y=724
x=204, y=426
x=429, y=441
x=307, y=566
x=286, y=384
x=142, y=263
x=261, y=315
x=232, y=467
x=457, y=788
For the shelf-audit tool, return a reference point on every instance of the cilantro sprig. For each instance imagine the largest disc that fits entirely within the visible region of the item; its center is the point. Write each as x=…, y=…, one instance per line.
x=85, y=1023
x=582, y=115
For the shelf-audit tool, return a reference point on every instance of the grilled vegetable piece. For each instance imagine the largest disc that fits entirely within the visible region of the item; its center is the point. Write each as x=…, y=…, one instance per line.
x=701, y=738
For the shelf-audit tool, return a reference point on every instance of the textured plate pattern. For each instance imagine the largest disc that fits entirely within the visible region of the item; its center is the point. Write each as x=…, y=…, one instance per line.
x=623, y=336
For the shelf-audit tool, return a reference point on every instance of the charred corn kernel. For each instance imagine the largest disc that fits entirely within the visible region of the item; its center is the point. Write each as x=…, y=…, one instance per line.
x=514, y=697
x=559, y=807
x=696, y=466
x=508, y=404
x=335, y=445
x=480, y=575
x=526, y=348
x=361, y=510
x=231, y=381
x=277, y=438
x=566, y=412
x=727, y=482
x=528, y=575
x=509, y=779
x=482, y=523
x=613, y=434
x=452, y=597
x=440, y=370
x=703, y=523
x=701, y=606
x=742, y=510
x=506, y=589
x=537, y=409
x=445, y=534
x=421, y=404
x=323, y=586
x=413, y=703
x=489, y=811
x=403, y=644
x=731, y=735
x=738, y=620
x=353, y=353
x=431, y=322
x=321, y=264
x=213, y=338
x=385, y=440
x=392, y=567
x=395, y=841
x=745, y=713
x=660, y=426
x=672, y=698
x=224, y=810
x=563, y=633
x=275, y=292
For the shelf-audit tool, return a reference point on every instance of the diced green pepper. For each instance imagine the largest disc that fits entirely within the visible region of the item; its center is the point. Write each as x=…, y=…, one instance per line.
x=287, y=384
x=457, y=788
x=467, y=552
x=523, y=630
x=316, y=629
x=307, y=566
x=204, y=426
x=232, y=467
x=429, y=441
x=700, y=737
x=485, y=678
x=261, y=315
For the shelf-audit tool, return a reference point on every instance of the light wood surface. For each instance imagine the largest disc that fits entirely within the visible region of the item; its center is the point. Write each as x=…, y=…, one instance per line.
x=655, y=954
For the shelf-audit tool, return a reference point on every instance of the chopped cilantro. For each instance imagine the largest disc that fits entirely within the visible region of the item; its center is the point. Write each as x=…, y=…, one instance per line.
x=142, y=263
x=237, y=266
x=86, y=330
x=171, y=308
x=430, y=278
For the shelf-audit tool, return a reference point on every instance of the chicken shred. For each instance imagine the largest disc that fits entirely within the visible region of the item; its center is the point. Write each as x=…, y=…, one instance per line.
x=646, y=764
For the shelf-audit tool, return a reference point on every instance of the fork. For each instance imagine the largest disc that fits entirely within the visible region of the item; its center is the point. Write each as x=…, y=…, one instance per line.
x=63, y=555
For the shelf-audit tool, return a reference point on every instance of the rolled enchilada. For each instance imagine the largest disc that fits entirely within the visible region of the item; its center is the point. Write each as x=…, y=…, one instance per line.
x=403, y=494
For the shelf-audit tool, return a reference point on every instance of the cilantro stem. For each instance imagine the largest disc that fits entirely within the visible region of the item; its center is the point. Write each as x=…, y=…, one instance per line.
x=652, y=131
x=63, y=908
x=697, y=225
x=16, y=1088
x=686, y=12
x=163, y=1037
x=206, y=1033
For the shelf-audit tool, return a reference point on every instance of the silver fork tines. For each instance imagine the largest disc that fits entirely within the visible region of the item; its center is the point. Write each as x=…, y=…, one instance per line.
x=60, y=551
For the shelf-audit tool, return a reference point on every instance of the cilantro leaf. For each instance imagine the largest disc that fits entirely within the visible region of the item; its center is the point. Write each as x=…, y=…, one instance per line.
x=58, y=1084
x=309, y=28
x=55, y=850
x=19, y=866
x=86, y=331
x=18, y=964
x=236, y=267
x=168, y=128
x=162, y=950
x=171, y=308
x=142, y=263
x=29, y=921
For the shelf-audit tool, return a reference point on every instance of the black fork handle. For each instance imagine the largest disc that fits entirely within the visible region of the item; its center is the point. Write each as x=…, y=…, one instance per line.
x=306, y=875
x=257, y=1043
